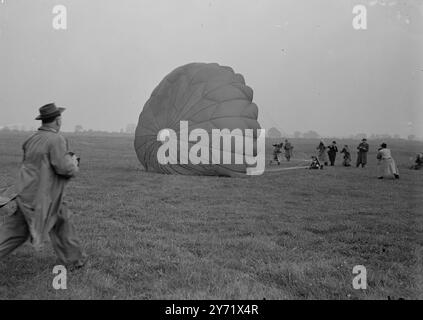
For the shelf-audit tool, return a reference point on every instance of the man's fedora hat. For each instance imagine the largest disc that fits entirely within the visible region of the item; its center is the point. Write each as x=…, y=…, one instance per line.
x=49, y=111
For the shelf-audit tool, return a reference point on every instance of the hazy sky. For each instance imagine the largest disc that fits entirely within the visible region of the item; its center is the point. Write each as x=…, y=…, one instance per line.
x=309, y=68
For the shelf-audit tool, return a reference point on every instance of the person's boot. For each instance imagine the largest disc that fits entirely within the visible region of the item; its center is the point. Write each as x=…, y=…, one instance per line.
x=396, y=176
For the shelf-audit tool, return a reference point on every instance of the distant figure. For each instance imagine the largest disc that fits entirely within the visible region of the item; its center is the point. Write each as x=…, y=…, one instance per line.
x=362, y=148
x=418, y=162
x=277, y=150
x=347, y=156
x=333, y=150
x=322, y=153
x=315, y=164
x=386, y=166
x=288, y=150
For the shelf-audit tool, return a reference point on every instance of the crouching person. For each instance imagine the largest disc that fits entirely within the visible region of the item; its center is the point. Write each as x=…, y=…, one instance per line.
x=47, y=167
x=386, y=166
x=315, y=163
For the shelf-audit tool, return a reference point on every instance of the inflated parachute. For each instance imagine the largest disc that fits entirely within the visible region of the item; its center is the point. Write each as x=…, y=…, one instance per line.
x=206, y=96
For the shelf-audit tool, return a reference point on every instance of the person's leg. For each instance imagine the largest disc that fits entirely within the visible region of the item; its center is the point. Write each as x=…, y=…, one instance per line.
x=13, y=232
x=65, y=241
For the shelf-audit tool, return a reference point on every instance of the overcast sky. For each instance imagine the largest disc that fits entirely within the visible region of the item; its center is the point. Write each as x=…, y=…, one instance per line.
x=309, y=68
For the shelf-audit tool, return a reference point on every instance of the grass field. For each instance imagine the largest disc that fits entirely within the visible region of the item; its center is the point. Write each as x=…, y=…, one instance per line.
x=294, y=234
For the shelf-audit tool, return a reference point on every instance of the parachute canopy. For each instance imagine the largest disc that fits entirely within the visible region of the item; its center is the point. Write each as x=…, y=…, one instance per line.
x=203, y=96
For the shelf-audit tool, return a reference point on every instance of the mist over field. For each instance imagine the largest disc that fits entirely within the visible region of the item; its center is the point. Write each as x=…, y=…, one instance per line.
x=308, y=67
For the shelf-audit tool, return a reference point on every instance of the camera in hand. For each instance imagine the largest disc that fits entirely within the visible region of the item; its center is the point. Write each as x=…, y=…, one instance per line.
x=77, y=159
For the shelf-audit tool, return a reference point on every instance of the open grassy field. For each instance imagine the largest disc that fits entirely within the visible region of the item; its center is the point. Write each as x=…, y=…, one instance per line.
x=294, y=234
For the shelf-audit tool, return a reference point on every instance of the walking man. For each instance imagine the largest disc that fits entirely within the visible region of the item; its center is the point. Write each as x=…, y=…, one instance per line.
x=362, y=148
x=47, y=167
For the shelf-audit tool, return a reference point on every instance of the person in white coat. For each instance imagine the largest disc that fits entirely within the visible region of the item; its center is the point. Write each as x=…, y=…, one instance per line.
x=386, y=166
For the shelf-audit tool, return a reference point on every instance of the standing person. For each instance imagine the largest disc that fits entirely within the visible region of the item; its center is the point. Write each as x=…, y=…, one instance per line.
x=418, y=162
x=347, y=156
x=322, y=153
x=333, y=150
x=46, y=170
x=386, y=166
x=277, y=150
x=288, y=150
x=362, y=148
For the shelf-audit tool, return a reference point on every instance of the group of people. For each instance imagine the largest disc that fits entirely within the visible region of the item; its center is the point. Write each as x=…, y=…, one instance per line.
x=277, y=151
x=386, y=164
x=332, y=150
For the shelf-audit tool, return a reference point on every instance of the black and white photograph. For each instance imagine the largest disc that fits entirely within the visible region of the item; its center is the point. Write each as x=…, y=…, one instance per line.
x=196, y=151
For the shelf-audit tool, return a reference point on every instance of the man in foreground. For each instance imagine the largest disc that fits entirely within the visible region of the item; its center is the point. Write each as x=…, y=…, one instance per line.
x=46, y=169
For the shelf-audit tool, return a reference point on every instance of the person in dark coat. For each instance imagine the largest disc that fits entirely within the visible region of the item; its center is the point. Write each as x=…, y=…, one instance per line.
x=362, y=148
x=332, y=151
x=418, y=162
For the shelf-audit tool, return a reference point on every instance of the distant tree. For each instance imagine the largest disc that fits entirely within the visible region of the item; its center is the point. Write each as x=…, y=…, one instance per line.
x=411, y=137
x=311, y=135
x=130, y=128
x=274, y=133
x=397, y=136
x=79, y=129
x=360, y=136
x=297, y=134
